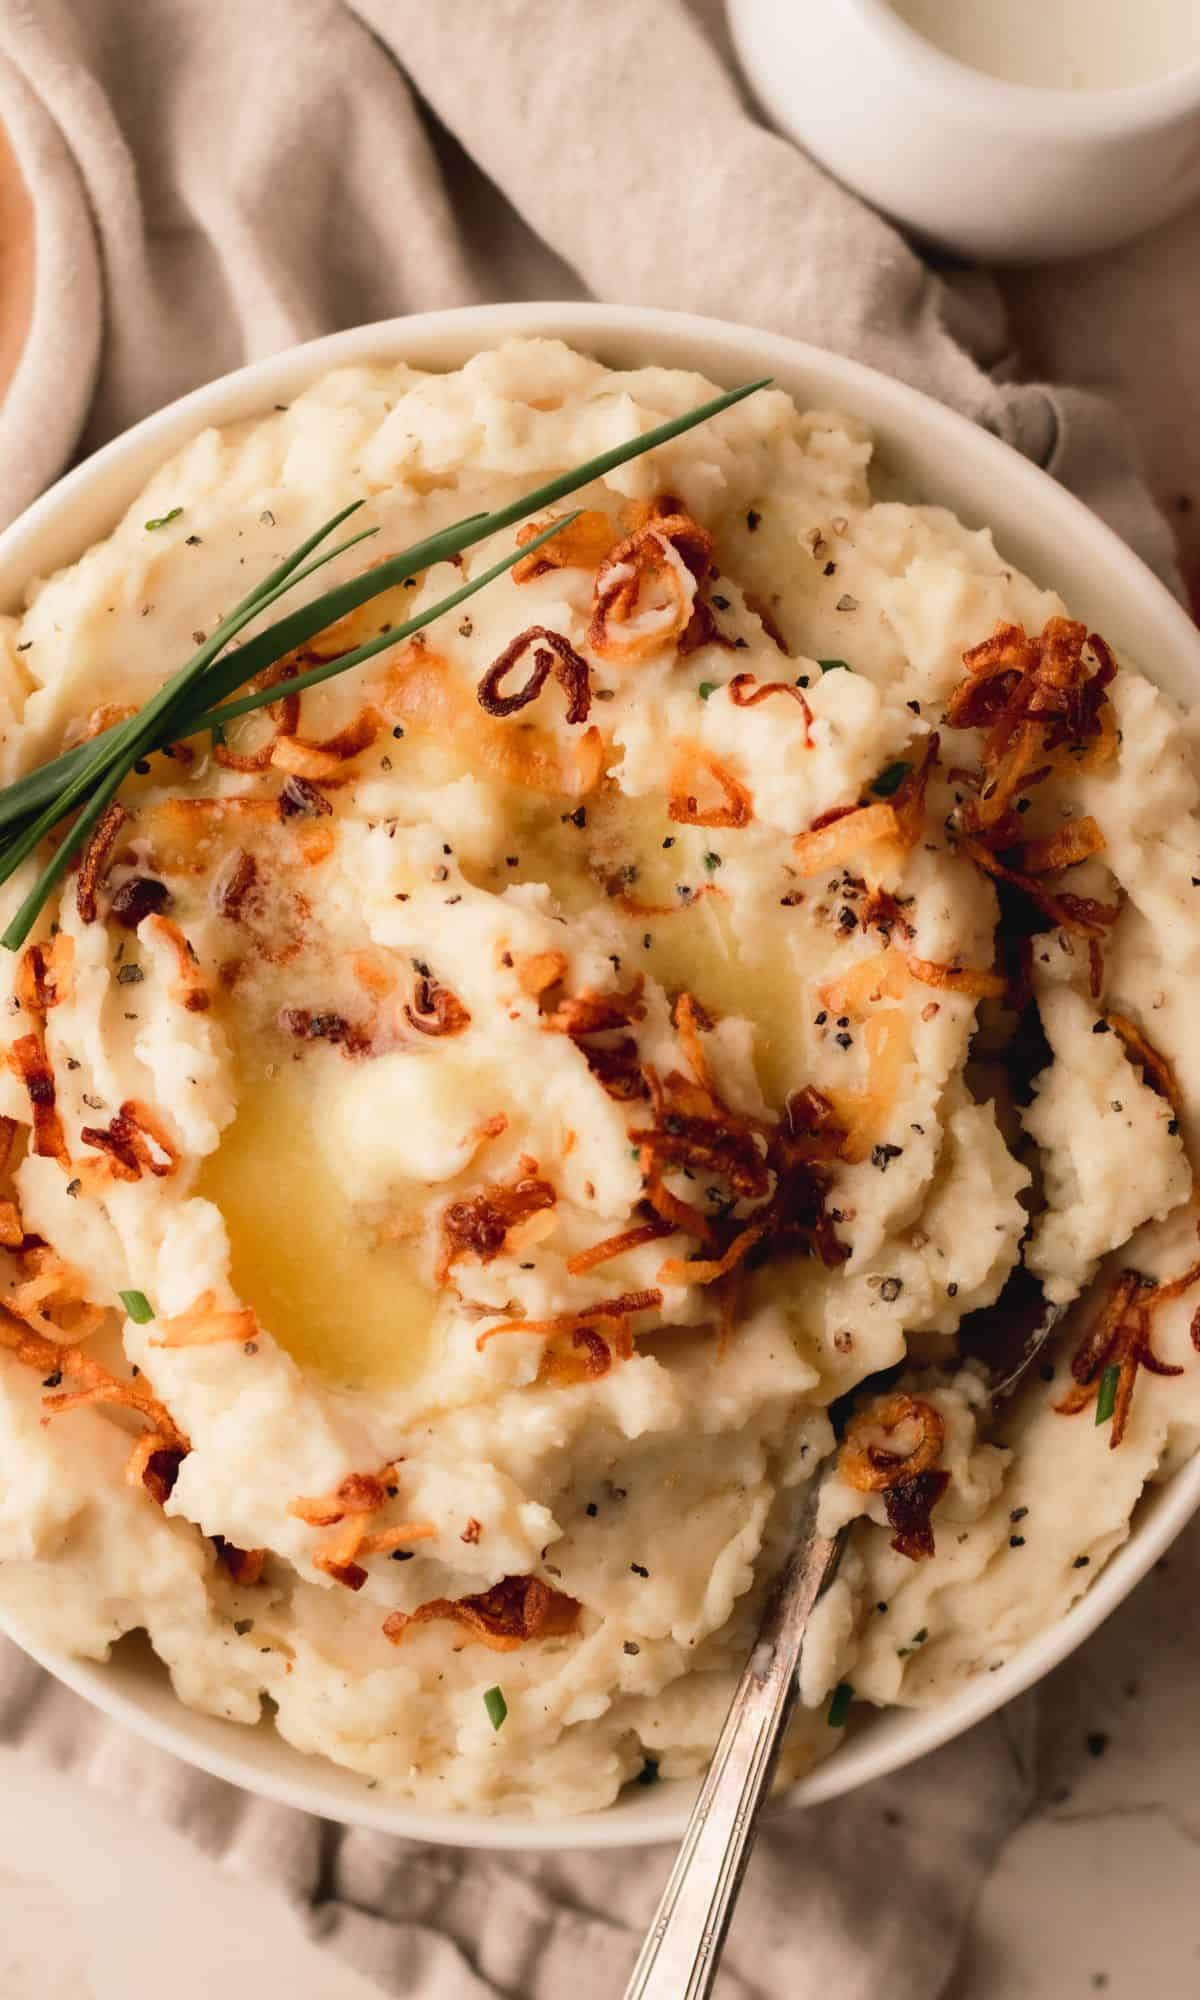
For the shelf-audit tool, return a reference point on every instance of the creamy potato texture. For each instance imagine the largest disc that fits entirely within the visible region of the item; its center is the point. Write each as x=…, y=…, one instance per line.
x=532, y=1084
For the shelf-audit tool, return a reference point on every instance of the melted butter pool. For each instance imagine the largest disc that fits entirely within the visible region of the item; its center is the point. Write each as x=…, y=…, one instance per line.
x=346, y=1305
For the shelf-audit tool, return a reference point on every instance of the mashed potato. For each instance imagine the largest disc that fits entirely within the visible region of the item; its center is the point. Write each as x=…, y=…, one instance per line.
x=483, y=1122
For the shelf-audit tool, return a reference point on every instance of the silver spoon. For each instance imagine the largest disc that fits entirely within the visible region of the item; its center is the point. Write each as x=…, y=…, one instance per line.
x=682, y=1951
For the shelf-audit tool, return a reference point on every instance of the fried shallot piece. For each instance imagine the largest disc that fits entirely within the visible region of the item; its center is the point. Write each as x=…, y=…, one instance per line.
x=747, y=692
x=1158, y=1072
x=96, y=858
x=614, y=1314
x=512, y=1612
x=29, y=1059
x=157, y=1455
x=479, y=1226
x=693, y=1128
x=1120, y=1337
x=617, y=1065
x=646, y=590
x=135, y=1138
x=871, y=1462
x=1041, y=705
x=848, y=830
x=435, y=1010
x=553, y=653
x=584, y=544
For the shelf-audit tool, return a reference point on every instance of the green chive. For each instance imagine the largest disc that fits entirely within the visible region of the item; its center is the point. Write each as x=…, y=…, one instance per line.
x=705, y=689
x=831, y=666
x=1106, y=1401
x=161, y=520
x=138, y=1306
x=712, y=861
x=496, y=1706
x=839, y=1704
x=890, y=780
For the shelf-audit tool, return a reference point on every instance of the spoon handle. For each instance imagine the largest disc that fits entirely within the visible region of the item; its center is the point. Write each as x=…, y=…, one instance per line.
x=682, y=1951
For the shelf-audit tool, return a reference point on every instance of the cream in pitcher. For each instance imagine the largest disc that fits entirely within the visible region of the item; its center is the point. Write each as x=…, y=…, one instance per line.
x=1063, y=44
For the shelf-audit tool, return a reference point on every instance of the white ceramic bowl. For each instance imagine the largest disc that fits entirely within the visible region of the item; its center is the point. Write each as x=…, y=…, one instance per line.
x=999, y=171
x=939, y=456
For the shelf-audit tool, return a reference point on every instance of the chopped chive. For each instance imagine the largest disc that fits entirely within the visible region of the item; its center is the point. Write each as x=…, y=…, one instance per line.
x=1107, y=1399
x=839, y=1704
x=831, y=666
x=705, y=689
x=496, y=1706
x=890, y=780
x=712, y=861
x=138, y=1306
x=161, y=520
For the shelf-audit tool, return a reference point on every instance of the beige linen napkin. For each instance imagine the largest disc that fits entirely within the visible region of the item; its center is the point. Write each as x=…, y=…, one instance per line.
x=213, y=180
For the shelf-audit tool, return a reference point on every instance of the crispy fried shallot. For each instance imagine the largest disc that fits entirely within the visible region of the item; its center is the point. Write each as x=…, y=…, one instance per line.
x=307, y=1025
x=1083, y=914
x=1120, y=1337
x=847, y=830
x=1041, y=707
x=646, y=587
x=693, y=1128
x=616, y=1312
x=236, y=882
x=871, y=1462
x=553, y=653
x=746, y=692
x=134, y=1138
x=616, y=1246
x=1157, y=1071
x=583, y=545
x=189, y=987
x=95, y=860
x=358, y=1493
x=1076, y=840
x=617, y=1068
x=908, y=1505
x=134, y=898
x=205, y=1324
x=46, y=974
x=245, y=1566
x=28, y=1057
x=323, y=762
x=591, y=1013
x=538, y=971
x=422, y=689
x=735, y=807
x=512, y=1612
x=479, y=1226
x=98, y=1387
x=435, y=1010
x=966, y=979
x=894, y=1438
x=284, y=716
x=52, y=1294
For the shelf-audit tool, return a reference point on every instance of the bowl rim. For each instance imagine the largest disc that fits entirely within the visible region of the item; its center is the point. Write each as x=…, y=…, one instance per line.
x=105, y=483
